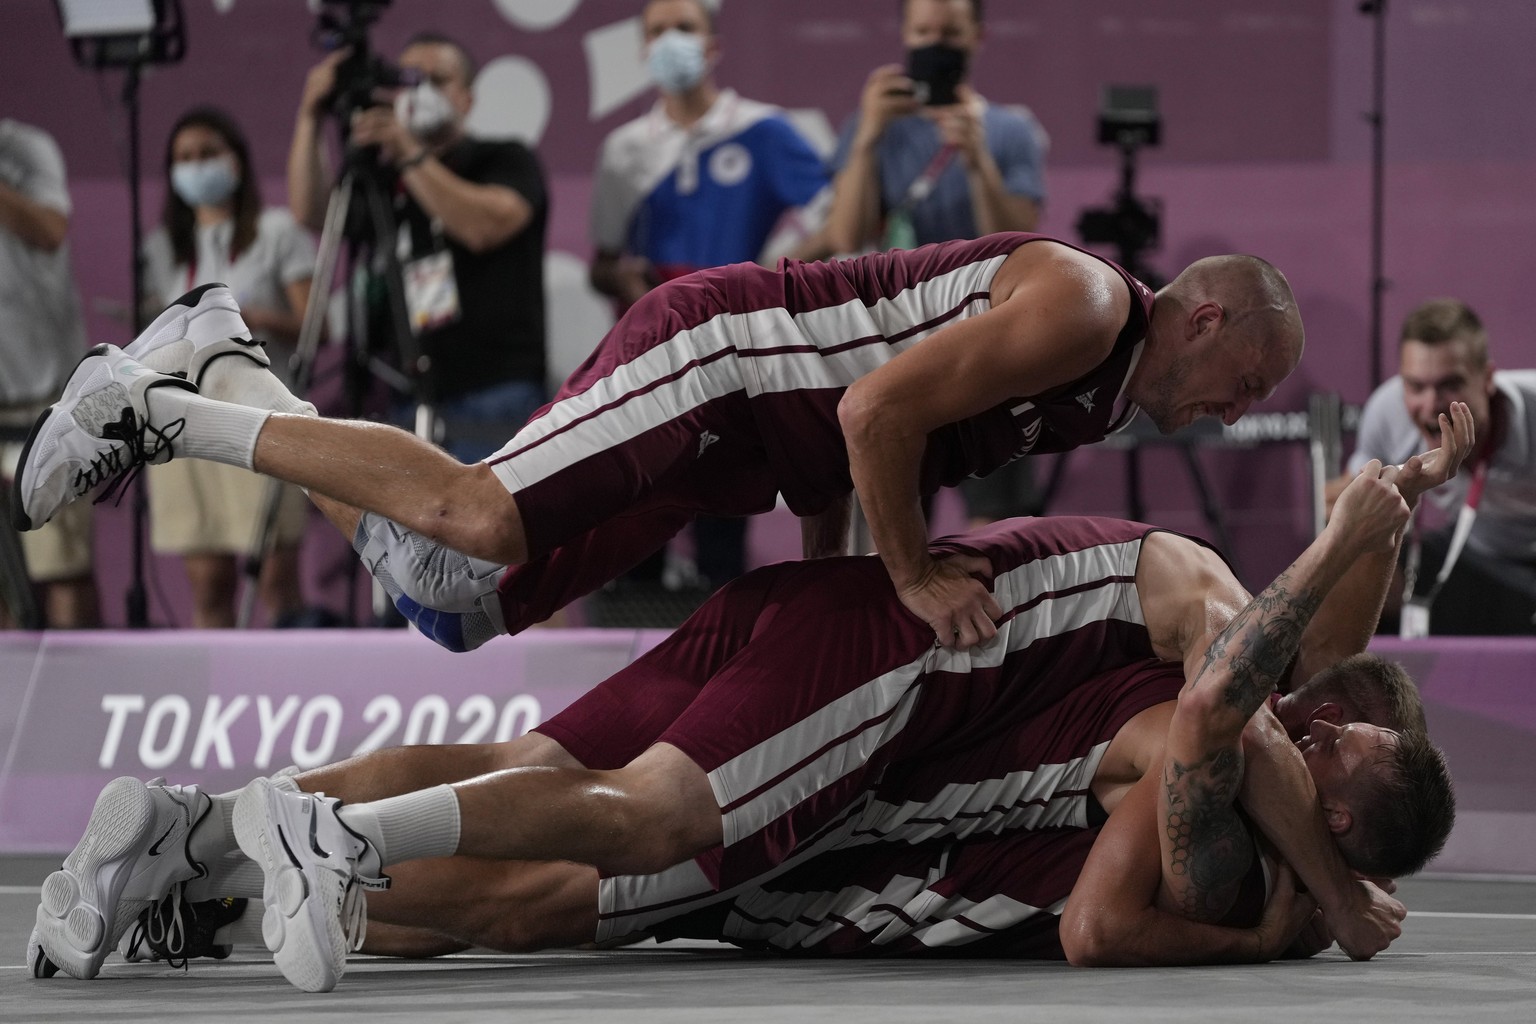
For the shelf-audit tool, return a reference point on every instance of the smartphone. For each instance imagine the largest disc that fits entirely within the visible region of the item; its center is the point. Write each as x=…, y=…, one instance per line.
x=935, y=72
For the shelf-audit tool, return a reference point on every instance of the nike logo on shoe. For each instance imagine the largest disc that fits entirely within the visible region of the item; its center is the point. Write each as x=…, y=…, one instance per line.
x=154, y=850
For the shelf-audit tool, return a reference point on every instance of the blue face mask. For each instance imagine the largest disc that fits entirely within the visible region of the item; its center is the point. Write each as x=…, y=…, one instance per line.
x=676, y=61
x=204, y=182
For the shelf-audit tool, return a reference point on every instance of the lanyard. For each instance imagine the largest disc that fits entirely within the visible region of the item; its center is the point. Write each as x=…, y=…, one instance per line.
x=1464, y=520
x=922, y=186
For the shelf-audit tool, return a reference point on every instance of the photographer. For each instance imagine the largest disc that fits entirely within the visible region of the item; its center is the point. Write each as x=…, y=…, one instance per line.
x=471, y=216
x=926, y=159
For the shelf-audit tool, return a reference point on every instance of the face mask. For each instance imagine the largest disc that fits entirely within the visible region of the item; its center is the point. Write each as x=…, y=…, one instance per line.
x=936, y=70
x=425, y=111
x=204, y=182
x=676, y=61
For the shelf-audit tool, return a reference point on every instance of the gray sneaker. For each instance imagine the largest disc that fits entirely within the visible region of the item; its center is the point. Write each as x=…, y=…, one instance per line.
x=133, y=853
x=98, y=431
x=193, y=331
x=316, y=911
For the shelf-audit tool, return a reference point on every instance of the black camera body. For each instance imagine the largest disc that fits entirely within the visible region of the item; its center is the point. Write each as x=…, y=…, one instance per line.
x=343, y=24
x=1128, y=120
x=935, y=72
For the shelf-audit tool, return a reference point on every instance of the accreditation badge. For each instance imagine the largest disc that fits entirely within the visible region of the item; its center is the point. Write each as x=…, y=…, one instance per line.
x=1413, y=623
x=431, y=293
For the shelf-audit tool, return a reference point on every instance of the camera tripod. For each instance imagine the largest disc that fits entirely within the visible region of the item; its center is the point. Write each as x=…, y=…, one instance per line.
x=371, y=237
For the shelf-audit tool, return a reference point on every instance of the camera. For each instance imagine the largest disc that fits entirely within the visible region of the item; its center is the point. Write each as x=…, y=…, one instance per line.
x=1129, y=120
x=344, y=24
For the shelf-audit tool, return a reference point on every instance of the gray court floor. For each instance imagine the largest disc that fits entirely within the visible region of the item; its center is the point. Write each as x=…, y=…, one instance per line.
x=1468, y=953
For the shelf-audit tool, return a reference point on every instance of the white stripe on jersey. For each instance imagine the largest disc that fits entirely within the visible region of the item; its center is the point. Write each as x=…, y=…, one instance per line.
x=904, y=907
x=619, y=897
x=991, y=915
x=894, y=694
x=1045, y=797
x=627, y=414
x=632, y=414
x=865, y=719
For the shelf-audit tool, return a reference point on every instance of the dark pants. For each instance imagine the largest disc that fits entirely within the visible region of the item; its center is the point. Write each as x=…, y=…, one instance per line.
x=1483, y=596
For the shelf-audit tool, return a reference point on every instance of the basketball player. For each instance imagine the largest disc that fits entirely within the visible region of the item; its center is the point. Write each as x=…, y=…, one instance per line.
x=890, y=375
x=770, y=728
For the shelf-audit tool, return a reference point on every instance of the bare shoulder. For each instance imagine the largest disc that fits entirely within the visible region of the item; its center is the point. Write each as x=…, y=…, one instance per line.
x=1058, y=306
x=1186, y=592
x=1048, y=271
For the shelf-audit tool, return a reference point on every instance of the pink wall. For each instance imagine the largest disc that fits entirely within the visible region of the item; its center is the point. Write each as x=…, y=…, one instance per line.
x=1265, y=151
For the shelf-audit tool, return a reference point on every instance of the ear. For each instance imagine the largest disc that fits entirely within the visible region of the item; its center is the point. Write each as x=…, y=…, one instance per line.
x=1206, y=317
x=1339, y=818
x=1329, y=712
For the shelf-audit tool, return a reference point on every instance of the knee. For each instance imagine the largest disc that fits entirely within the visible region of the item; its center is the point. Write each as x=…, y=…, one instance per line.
x=663, y=818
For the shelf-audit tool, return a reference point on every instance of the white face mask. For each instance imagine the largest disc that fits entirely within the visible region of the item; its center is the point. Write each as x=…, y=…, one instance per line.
x=676, y=61
x=425, y=111
x=204, y=182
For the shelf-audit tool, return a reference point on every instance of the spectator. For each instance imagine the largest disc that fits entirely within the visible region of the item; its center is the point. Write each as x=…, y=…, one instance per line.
x=701, y=180
x=43, y=338
x=474, y=212
x=1491, y=586
x=910, y=173
x=214, y=229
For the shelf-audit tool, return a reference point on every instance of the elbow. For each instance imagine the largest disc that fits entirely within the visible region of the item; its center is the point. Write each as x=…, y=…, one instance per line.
x=1086, y=942
x=857, y=413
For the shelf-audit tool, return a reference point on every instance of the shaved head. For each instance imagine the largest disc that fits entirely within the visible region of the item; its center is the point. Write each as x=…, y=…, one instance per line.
x=1254, y=294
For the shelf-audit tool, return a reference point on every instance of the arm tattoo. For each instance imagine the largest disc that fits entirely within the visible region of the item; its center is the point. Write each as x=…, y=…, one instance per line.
x=1209, y=849
x=1257, y=647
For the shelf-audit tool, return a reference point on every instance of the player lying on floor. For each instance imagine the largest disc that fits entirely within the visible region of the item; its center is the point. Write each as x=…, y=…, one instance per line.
x=758, y=744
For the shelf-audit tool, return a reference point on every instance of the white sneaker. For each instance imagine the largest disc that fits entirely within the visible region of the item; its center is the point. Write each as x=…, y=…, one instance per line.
x=316, y=911
x=193, y=331
x=133, y=852
x=98, y=430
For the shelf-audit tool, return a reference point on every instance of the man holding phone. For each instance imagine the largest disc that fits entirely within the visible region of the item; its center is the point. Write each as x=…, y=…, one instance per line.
x=926, y=159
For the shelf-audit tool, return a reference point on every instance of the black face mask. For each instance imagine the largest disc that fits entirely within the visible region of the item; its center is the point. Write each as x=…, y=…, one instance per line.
x=936, y=70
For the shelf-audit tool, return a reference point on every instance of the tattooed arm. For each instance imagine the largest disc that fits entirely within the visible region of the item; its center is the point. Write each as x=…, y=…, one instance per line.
x=1204, y=845
x=1111, y=918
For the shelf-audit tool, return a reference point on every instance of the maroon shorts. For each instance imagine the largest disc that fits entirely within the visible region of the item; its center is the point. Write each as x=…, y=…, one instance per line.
x=824, y=717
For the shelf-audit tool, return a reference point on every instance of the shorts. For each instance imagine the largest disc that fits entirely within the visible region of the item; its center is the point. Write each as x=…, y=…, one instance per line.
x=200, y=508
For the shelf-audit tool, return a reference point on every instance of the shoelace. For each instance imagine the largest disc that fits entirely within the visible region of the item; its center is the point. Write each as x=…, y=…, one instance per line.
x=121, y=465
x=354, y=908
x=163, y=929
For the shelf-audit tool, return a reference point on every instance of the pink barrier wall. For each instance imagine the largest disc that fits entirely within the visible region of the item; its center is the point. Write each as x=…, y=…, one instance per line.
x=219, y=708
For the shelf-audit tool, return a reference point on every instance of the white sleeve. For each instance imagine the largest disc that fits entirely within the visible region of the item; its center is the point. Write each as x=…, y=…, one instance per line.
x=613, y=200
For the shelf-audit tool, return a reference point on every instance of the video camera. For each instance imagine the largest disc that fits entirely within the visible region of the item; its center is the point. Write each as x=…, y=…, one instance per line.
x=1128, y=119
x=343, y=24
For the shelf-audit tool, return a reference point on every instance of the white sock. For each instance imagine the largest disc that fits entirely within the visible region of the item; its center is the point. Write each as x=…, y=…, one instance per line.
x=234, y=378
x=420, y=824
x=217, y=431
x=171, y=358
